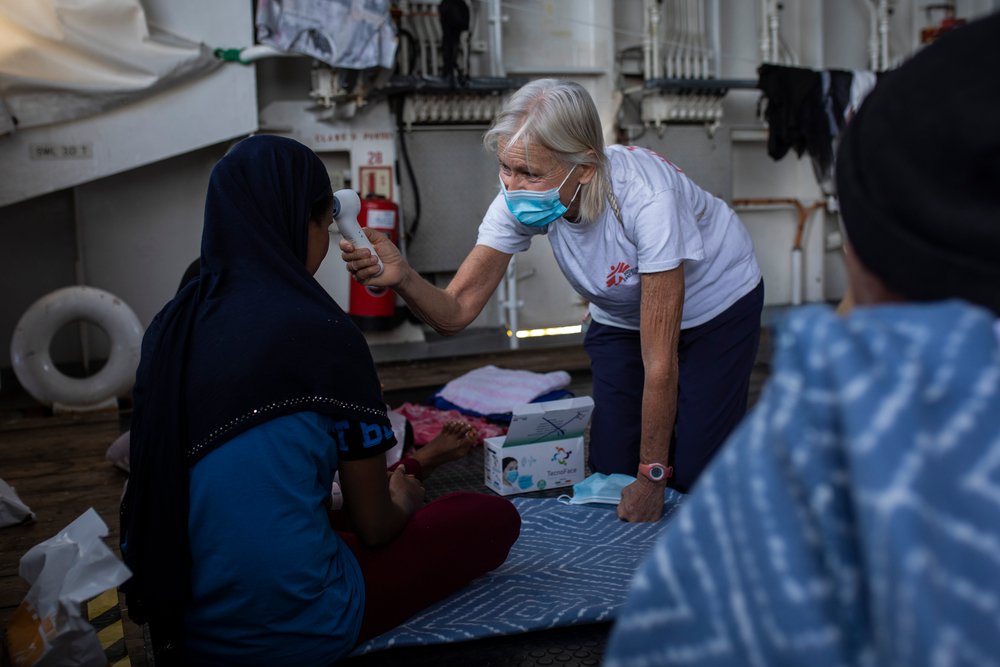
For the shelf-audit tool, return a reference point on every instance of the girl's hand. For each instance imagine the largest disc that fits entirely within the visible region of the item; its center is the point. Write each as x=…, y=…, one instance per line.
x=406, y=491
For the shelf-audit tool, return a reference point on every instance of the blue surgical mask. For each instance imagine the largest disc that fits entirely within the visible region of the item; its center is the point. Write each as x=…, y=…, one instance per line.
x=537, y=209
x=598, y=488
x=511, y=476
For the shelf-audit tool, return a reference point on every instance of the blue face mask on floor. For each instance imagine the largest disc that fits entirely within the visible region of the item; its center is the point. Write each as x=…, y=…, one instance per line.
x=598, y=488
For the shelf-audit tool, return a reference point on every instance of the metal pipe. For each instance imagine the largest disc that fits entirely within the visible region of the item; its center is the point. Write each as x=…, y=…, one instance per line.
x=872, y=36
x=696, y=40
x=654, y=22
x=677, y=42
x=684, y=23
x=691, y=55
x=502, y=302
x=512, y=303
x=647, y=42
x=716, y=39
x=805, y=212
x=773, y=25
x=770, y=40
x=432, y=21
x=765, y=43
x=677, y=23
x=796, y=276
x=404, y=56
x=670, y=44
x=496, y=39
x=418, y=28
x=883, y=34
x=261, y=51
x=702, y=53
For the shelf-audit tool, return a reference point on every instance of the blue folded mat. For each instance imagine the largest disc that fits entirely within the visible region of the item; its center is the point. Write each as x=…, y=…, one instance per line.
x=572, y=564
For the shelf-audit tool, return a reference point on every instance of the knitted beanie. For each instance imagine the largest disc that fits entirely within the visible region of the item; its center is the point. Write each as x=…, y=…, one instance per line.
x=918, y=171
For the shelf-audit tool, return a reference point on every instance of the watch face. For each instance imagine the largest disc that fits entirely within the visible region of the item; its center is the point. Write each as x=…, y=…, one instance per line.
x=656, y=473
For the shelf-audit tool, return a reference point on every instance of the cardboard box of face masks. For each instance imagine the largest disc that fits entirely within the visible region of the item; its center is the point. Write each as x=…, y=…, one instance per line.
x=543, y=448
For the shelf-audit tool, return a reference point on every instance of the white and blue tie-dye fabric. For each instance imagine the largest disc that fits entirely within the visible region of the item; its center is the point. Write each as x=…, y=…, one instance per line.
x=853, y=518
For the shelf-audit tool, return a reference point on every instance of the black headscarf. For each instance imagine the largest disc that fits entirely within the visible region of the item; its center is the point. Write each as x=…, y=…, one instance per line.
x=918, y=171
x=253, y=337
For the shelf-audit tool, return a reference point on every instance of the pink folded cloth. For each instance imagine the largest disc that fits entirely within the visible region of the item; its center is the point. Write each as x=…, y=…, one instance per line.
x=427, y=422
x=491, y=390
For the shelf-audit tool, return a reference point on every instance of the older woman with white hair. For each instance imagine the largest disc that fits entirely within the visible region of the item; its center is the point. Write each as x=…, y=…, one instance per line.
x=674, y=289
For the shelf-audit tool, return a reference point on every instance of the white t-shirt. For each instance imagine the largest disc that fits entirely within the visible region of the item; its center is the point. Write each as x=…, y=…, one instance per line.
x=667, y=220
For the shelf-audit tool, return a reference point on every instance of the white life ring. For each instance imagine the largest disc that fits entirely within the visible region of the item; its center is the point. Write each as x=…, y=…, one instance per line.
x=29, y=347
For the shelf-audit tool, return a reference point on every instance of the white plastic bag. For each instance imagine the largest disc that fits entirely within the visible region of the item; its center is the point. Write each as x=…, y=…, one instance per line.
x=12, y=510
x=64, y=571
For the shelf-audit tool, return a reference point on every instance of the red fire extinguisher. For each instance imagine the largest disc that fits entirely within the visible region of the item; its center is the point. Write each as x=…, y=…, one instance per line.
x=374, y=308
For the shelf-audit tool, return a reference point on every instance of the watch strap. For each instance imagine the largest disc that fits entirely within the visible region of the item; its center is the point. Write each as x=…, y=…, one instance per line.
x=656, y=472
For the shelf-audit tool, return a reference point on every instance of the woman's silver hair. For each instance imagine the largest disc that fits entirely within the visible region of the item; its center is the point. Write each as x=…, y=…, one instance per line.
x=561, y=117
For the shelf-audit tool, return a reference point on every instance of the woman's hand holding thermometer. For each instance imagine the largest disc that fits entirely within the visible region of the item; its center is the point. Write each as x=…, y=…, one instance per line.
x=346, y=207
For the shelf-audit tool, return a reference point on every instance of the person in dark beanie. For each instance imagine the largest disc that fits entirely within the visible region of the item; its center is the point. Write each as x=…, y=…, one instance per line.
x=853, y=518
x=918, y=172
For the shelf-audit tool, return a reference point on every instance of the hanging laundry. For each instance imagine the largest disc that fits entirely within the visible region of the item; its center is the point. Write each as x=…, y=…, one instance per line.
x=349, y=34
x=454, y=15
x=837, y=98
x=862, y=82
x=792, y=95
x=807, y=109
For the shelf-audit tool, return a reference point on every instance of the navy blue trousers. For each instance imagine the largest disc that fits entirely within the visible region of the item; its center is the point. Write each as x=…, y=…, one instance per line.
x=715, y=361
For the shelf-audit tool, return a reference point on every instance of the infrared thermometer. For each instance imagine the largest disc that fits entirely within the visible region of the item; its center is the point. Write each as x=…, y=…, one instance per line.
x=346, y=206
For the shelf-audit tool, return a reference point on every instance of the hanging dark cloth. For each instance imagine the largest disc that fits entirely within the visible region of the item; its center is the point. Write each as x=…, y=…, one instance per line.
x=252, y=338
x=839, y=97
x=793, y=108
x=454, y=17
x=805, y=112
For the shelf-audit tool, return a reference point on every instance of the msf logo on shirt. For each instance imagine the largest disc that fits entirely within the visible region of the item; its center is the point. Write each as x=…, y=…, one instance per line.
x=619, y=273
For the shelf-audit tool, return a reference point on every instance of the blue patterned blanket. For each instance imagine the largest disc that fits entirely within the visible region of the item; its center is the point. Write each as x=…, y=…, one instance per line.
x=853, y=518
x=571, y=565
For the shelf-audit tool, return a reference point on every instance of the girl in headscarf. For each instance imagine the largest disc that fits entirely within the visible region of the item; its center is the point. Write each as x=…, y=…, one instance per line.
x=253, y=389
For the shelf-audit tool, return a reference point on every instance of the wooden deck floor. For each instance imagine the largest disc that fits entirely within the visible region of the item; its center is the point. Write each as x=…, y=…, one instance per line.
x=57, y=464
